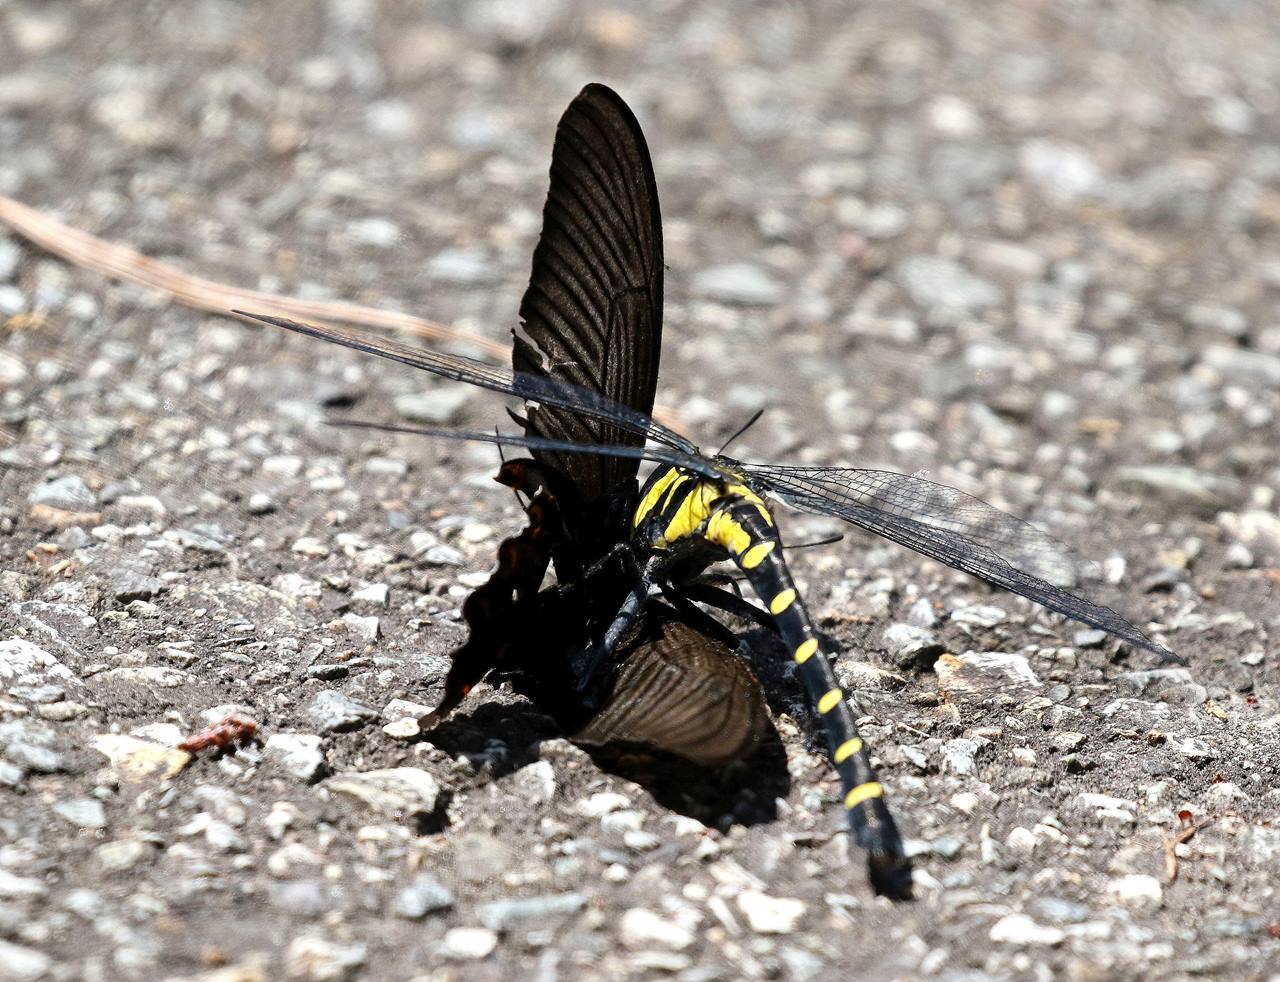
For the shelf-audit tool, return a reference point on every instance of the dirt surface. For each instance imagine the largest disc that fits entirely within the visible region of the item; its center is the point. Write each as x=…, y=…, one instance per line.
x=1032, y=248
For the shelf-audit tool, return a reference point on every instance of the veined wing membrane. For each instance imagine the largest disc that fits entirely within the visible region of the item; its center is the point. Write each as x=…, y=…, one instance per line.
x=937, y=506
x=663, y=455
x=954, y=528
x=531, y=388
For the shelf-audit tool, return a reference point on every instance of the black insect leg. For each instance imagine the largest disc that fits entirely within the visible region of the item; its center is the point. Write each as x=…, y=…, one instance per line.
x=759, y=556
x=730, y=603
x=601, y=653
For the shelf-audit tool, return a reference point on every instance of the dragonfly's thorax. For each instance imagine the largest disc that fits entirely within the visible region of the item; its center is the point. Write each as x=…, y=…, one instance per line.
x=682, y=507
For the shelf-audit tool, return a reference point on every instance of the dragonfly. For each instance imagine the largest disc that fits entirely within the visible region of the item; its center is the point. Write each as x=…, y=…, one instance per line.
x=597, y=273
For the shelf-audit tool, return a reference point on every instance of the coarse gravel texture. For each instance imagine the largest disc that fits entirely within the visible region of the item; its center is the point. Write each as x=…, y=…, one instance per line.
x=1032, y=248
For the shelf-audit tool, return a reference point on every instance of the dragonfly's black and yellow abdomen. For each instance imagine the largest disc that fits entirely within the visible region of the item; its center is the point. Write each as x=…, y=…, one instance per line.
x=681, y=512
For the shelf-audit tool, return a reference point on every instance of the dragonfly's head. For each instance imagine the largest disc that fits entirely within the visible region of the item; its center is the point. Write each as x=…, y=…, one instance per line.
x=730, y=468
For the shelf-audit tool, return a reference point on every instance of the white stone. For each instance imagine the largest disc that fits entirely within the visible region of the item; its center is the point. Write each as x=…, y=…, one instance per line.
x=1020, y=929
x=297, y=753
x=770, y=915
x=601, y=803
x=1137, y=890
x=640, y=928
x=23, y=963
x=139, y=761
x=23, y=663
x=469, y=943
x=537, y=781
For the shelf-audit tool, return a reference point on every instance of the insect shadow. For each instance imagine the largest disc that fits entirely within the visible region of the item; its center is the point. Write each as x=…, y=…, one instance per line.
x=744, y=792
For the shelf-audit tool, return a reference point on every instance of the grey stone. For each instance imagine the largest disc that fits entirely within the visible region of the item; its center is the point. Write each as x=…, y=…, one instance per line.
x=297, y=753
x=128, y=587
x=319, y=959
x=34, y=757
x=22, y=963
x=1173, y=685
x=738, y=283
x=934, y=282
x=394, y=791
x=641, y=929
x=505, y=915
x=922, y=613
x=1181, y=484
x=1243, y=367
x=10, y=254
x=377, y=594
x=25, y=664
x=1061, y=171
x=438, y=405
x=1137, y=890
x=1223, y=320
x=69, y=493
x=365, y=629
x=333, y=712
x=305, y=898
x=909, y=645
x=11, y=775
x=771, y=915
x=537, y=781
x=958, y=755
x=14, y=887
x=12, y=301
x=465, y=267
x=87, y=813
x=425, y=895
x=381, y=233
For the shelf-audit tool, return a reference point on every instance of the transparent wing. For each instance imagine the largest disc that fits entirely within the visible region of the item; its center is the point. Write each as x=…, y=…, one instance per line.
x=531, y=388
x=954, y=528
x=663, y=455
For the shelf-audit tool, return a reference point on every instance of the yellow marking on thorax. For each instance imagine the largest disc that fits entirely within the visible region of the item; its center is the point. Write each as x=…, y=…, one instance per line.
x=655, y=493
x=755, y=555
x=830, y=699
x=863, y=792
x=806, y=650
x=782, y=601
x=847, y=750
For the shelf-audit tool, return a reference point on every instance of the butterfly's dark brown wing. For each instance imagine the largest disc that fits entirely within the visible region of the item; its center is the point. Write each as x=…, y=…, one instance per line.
x=680, y=689
x=592, y=314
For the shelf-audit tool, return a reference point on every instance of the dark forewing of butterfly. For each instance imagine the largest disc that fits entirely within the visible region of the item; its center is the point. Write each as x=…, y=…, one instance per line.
x=592, y=314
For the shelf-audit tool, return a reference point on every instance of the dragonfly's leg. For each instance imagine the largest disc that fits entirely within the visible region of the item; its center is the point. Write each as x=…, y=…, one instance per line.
x=754, y=546
x=600, y=654
x=682, y=601
x=730, y=603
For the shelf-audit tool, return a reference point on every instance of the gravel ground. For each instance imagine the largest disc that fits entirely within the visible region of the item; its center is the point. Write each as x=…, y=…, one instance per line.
x=1030, y=247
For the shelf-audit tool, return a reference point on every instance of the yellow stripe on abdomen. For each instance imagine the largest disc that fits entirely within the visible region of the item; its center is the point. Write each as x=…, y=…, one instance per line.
x=754, y=556
x=781, y=602
x=847, y=750
x=863, y=792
